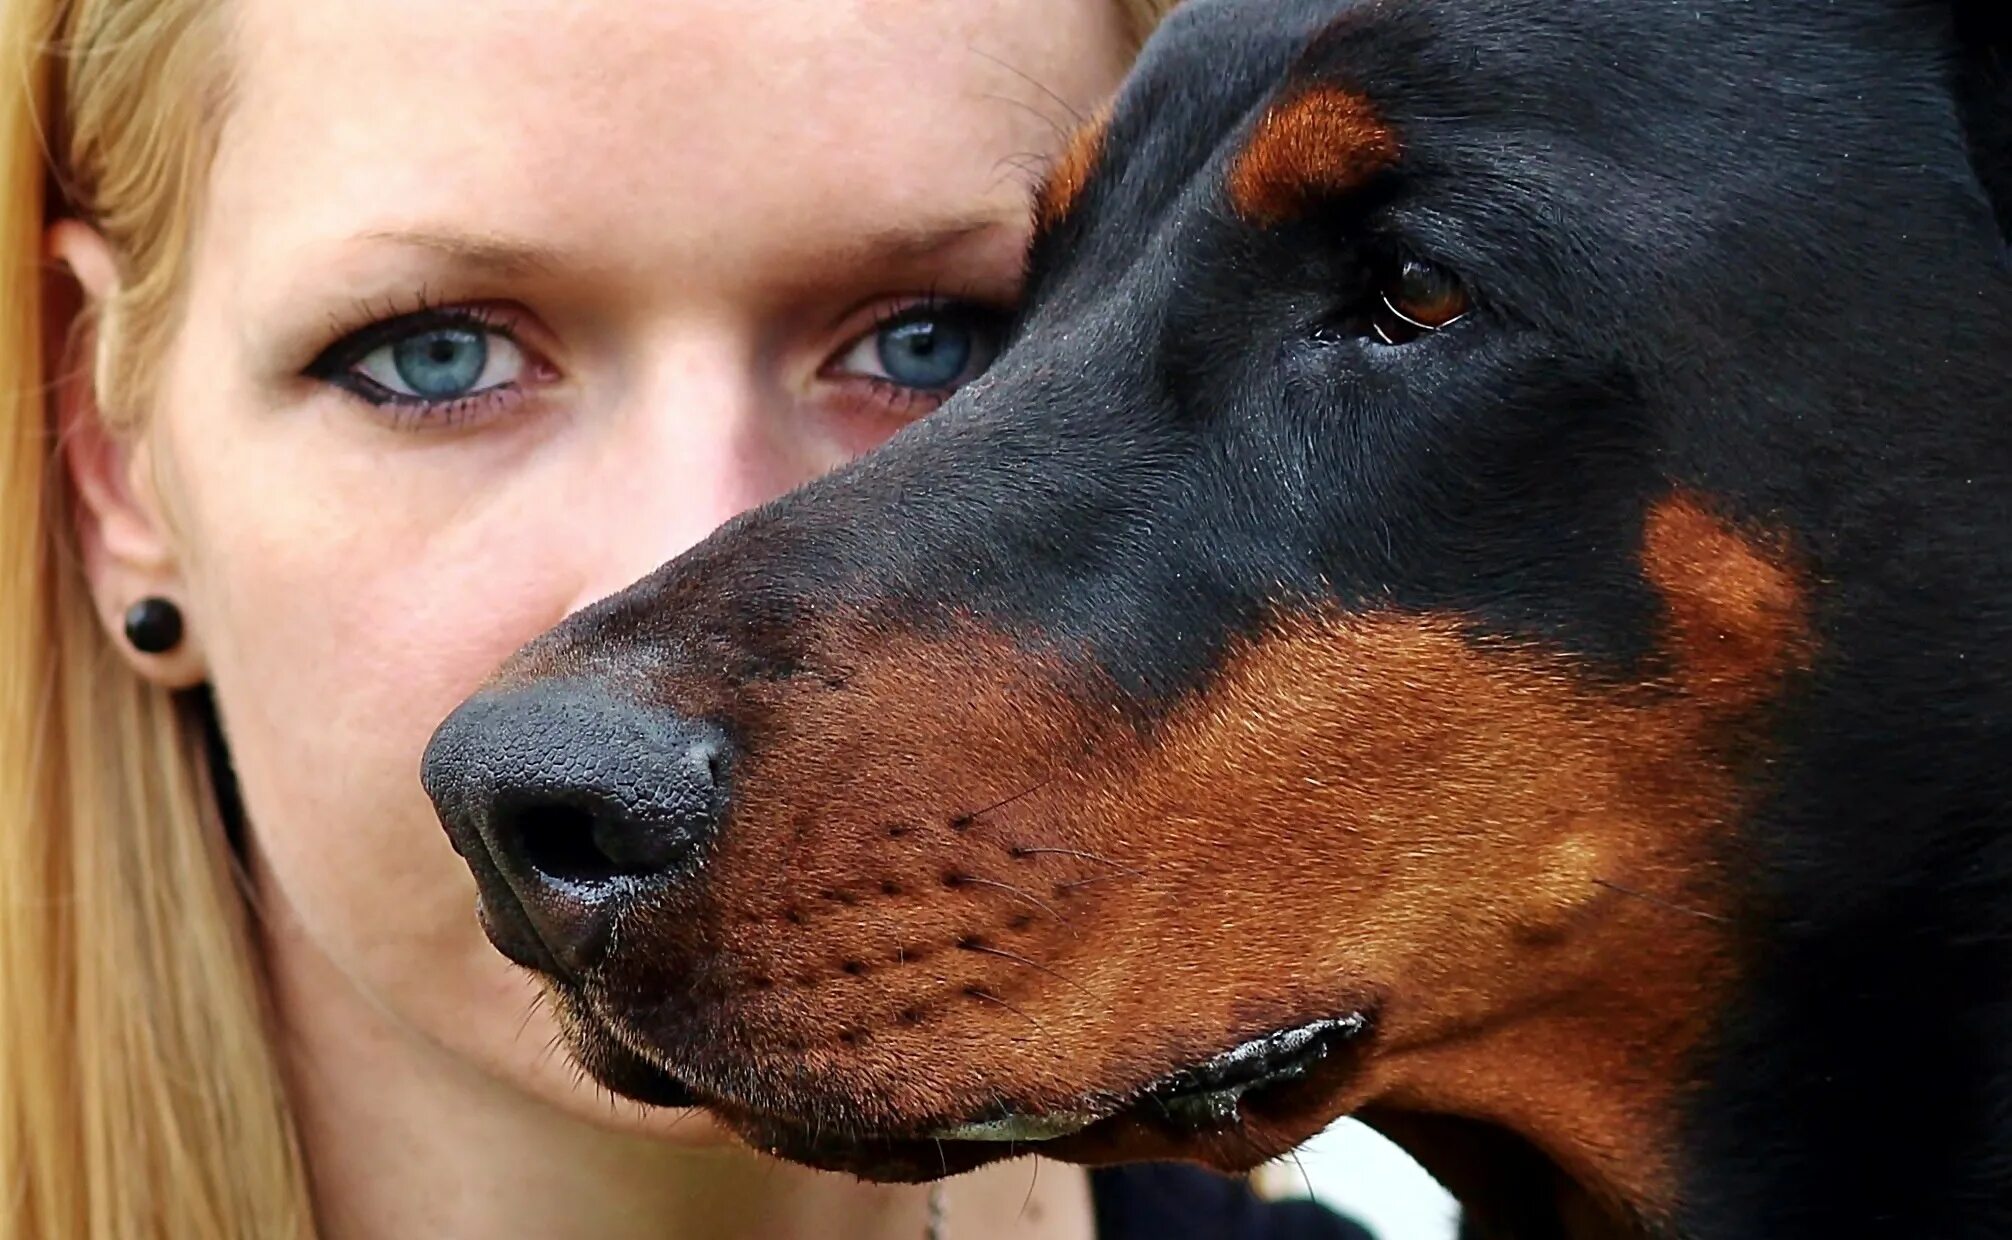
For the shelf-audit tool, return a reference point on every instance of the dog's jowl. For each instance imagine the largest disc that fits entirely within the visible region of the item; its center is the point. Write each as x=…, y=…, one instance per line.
x=1480, y=595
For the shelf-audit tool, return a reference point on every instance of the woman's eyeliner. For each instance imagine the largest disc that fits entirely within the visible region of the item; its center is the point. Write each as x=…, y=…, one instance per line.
x=427, y=364
x=437, y=366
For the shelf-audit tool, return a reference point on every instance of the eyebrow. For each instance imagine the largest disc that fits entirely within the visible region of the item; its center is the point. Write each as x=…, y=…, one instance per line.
x=503, y=256
x=913, y=243
x=508, y=256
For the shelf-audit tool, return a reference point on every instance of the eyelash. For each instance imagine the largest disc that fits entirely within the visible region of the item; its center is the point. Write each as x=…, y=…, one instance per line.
x=336, y=365
x=903, y=401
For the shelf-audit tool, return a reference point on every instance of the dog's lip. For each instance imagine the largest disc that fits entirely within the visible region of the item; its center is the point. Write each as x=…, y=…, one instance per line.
x=1204, y=1096
x=1201, y=1102
x=1021, y=1129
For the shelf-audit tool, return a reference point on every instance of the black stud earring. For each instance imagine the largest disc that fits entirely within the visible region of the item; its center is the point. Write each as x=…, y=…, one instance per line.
x=154, y=626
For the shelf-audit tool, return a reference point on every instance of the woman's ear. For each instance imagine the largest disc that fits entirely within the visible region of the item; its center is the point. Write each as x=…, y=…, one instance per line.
x=125, y=542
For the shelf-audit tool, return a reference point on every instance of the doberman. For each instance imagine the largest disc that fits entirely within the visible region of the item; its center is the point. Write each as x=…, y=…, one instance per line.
x=1479, y=595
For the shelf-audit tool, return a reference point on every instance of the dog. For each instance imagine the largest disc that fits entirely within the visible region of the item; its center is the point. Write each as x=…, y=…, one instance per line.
x=1478, y=595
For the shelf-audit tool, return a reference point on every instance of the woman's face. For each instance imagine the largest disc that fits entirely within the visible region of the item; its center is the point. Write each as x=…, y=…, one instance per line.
x=497, y=305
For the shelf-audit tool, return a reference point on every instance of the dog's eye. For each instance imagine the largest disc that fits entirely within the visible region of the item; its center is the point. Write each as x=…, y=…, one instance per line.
x=1404, y=299
x=1416, y=299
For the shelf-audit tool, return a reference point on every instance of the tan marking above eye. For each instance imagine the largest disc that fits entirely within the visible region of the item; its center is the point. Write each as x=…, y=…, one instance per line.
x=1071, y=171
x=1318, y=143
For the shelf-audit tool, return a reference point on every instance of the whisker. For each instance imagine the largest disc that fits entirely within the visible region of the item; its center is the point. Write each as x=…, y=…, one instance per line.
x=1061, y=130
x=1037, y=84
x=686, y=1115
x=1657, y=900
x=1027, y=171
x=1032, y=1180
x=1011, y=890
x=552, y=1046
x=976, y=993
x=530, y=1010
x=1026, y=163
x=1032, y=964
x=966, y=819
x=1085, y=856
x=1304, y=1178
x=1244, y=1137
x=1072, y=884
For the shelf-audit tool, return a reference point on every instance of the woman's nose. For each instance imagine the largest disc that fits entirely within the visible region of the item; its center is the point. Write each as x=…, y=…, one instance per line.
x=693, y=453
x=566, y=800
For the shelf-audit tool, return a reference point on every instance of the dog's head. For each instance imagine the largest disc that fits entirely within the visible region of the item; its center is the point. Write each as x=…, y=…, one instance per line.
x=1338, y=655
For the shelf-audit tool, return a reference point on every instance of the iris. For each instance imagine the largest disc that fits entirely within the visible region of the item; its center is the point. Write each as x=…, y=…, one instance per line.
x=442, y=364
x=929, y=353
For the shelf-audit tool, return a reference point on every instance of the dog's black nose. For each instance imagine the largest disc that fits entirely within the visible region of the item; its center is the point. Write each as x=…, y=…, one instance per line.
x=563, y=799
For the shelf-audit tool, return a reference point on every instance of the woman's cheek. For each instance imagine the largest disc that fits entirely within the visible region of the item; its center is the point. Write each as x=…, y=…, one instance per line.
x=336, y=646
x=339, y=647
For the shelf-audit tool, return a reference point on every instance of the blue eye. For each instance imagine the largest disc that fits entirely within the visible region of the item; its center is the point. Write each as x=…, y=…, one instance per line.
x=931, y=348
x=925, y=353
x=441, y=365
x=431, y=358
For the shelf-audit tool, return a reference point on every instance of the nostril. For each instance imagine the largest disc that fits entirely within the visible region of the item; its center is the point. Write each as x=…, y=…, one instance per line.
x=568, y=802
x=564, y=840
x=561, y=842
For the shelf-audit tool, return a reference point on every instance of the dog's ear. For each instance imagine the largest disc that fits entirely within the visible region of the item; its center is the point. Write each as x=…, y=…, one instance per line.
x=1983, y=86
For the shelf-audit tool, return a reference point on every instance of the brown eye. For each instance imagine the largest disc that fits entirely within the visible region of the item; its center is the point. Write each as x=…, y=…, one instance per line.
x=1418, y=298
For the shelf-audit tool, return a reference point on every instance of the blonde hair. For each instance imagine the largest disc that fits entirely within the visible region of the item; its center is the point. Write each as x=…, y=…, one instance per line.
x=140, y=1089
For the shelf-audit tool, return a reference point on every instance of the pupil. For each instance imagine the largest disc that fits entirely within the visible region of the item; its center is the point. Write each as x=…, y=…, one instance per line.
x=925, y=353
x=442, y=364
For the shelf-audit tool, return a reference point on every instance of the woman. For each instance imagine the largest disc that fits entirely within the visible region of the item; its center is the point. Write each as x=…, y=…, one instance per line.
x=349, y=347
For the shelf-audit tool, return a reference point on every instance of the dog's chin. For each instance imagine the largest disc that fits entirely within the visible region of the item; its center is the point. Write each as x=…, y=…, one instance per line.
x=1253, y=1102
x=623, y=1071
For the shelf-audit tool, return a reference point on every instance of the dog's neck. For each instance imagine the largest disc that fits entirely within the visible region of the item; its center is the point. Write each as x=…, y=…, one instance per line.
x=1843, y=1090
x=1574, y=1144
x=1507, y=1189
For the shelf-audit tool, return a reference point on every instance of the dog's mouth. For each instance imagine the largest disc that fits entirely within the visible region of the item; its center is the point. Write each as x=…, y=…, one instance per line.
x=1204, y=1097
x=1224, y=1109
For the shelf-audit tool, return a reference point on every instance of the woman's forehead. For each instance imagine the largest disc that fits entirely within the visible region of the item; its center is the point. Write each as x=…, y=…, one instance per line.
x=702, y=126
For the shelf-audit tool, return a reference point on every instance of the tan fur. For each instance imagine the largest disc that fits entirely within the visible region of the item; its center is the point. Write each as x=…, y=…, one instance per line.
x=1071, y=171
x=955, y=851
x=1317, y=143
